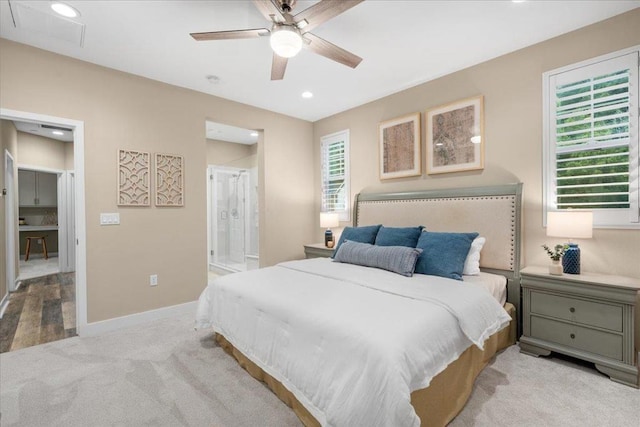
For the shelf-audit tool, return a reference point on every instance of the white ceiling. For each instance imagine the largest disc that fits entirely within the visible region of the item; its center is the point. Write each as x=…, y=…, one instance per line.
x=403, y=43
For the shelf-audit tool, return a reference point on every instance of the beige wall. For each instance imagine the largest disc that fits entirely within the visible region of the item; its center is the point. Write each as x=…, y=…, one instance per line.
x=9, y=142
x=223, y=153
x=512, y=89
x=120, y=110
x=42, y=152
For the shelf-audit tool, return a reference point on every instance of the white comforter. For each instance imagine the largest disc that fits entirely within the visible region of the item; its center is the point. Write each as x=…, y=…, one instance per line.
x=350, y=342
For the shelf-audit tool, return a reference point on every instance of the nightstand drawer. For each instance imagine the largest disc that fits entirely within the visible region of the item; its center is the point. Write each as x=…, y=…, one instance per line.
x=606, y=316
x=597, y=342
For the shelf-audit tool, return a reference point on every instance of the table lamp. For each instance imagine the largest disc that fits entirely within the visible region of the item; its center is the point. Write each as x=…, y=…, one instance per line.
x=573, y=225
x=328, y=220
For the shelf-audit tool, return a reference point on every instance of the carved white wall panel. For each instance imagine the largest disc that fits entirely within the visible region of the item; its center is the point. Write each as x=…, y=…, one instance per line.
x=134, y=173
x=169, y=180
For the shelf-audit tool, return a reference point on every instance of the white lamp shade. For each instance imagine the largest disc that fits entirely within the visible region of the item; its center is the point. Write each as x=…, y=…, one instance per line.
x=570, y=224
x=285, y=41
x=329, y=219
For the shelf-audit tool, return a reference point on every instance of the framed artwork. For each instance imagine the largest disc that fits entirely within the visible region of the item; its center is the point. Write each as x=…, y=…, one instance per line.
x=399, y=141
x=169, y=180
x=455, y=136
x=134, y=174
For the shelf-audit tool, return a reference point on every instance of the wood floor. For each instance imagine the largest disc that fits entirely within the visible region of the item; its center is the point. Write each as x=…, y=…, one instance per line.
x=43, y=309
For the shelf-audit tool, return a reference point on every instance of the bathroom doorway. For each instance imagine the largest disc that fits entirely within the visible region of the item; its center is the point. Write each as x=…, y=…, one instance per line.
x=233, y=218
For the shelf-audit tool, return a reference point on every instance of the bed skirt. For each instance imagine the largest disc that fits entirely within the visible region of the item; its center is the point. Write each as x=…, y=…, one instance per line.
x=435, y=405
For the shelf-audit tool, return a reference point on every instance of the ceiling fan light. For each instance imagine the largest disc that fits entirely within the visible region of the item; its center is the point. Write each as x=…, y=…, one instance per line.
x=286, y=41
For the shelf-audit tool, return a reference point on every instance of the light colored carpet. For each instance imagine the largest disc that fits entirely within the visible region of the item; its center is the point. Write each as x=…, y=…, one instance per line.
x=166, y=374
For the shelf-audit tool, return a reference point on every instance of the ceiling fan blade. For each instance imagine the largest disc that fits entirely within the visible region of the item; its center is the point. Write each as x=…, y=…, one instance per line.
x=278, y=67
x=234, y=34
x=269, y=10
x=322, y=12
x=330, y=50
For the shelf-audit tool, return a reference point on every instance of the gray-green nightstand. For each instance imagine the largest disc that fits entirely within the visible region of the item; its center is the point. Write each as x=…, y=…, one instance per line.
x=589, y=316
x=317, y=250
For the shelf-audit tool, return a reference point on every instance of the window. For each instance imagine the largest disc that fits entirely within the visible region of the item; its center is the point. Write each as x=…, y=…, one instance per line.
x=591, y=139
x=335, y=174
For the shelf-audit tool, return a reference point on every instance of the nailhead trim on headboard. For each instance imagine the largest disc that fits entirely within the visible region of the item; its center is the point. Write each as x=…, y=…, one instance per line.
x=477, y=211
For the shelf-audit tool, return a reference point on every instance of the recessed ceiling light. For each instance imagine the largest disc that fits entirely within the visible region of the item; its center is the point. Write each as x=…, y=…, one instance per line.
x=254, y=133
x=307, y=94
x=57, y=132
x=64, y=10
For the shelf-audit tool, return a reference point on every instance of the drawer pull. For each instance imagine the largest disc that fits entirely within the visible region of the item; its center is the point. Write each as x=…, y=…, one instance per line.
x=573, y=310
x=573, y=336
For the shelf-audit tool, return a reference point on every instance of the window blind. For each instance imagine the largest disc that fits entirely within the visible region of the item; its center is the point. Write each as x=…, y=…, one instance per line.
x=594, y=136
x=335, y=194
x=592, y=142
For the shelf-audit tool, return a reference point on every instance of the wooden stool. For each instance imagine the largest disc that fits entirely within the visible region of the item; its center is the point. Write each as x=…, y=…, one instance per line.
x=44, y=247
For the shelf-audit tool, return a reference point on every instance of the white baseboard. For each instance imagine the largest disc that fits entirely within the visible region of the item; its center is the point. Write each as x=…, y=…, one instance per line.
x=3, y=304
x=98, y=328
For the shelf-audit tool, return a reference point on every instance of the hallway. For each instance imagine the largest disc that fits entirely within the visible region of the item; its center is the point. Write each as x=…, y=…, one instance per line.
x=43, y=309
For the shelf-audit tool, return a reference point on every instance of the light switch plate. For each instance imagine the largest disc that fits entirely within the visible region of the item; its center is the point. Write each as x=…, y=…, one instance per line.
x=109, y=218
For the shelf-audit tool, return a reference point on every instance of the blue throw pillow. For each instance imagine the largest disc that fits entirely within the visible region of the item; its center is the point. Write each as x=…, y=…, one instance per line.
x=398, y=236
x=365, y=234
x=443, y=254
x=398, y=259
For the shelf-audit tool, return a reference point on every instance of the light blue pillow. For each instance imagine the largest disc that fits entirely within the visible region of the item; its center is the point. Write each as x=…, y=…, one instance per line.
x=364, y=234
x=398, y=236
x=398, y=259
x=443, y=254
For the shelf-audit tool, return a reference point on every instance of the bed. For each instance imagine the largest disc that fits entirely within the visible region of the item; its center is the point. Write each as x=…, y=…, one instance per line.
x=347, y=345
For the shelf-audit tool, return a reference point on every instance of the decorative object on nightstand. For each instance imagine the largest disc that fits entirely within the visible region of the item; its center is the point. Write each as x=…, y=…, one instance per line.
x=588, y=316
x=328, y=220
x=573, y=225
x=556, y=254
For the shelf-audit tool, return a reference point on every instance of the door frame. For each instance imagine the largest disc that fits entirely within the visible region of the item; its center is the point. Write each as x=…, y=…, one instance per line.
x=79, y=202
x=10, y=221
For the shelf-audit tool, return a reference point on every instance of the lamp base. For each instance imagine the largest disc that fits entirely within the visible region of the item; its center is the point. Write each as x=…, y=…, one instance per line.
x=571, y=259
x=328, y=237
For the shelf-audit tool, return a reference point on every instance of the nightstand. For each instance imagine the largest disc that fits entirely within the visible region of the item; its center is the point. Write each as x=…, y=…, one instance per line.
x=593, y=317
x=317, y=250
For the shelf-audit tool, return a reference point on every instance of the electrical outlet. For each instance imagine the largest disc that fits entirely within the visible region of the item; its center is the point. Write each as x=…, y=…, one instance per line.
x=153, y=280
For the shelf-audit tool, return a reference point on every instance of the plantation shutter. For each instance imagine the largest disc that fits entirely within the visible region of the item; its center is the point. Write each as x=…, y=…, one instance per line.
x=335, y=194
x=594, y=137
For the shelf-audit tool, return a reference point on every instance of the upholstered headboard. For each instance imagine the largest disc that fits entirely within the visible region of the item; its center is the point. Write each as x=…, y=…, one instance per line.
x=494, y=212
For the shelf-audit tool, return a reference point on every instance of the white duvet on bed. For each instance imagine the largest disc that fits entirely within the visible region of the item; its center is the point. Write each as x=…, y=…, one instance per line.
x=350, y=342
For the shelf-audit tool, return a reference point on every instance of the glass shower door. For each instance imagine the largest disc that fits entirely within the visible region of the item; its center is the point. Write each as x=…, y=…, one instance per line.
x=231, y=214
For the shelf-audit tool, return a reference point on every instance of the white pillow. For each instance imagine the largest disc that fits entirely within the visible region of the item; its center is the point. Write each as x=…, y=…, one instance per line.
x=472, y=262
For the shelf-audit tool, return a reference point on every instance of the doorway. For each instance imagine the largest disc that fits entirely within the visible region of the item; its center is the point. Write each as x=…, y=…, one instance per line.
x=43, y=207
x=232, y=205
x=234, y=225
x=77, y=205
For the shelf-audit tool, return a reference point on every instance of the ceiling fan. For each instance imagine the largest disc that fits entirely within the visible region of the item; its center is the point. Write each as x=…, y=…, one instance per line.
x=290, y=33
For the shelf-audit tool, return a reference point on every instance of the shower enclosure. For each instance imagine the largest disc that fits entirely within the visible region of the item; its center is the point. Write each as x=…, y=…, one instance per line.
x=234, y=219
